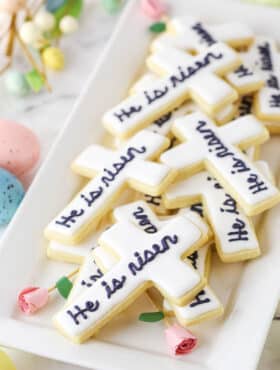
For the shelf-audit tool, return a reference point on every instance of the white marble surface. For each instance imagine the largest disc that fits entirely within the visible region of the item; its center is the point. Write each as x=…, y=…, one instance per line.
x=45, y=114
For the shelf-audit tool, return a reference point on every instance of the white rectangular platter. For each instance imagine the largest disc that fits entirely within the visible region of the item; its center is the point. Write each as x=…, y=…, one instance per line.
x=249, y=291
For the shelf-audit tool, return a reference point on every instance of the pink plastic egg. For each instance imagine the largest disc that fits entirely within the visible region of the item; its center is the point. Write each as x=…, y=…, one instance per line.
x=19, y=148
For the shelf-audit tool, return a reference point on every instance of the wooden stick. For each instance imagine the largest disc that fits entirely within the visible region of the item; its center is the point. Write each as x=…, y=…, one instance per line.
x=10, y=45
x=69, y=276
x=6, y=67
x=32, y=61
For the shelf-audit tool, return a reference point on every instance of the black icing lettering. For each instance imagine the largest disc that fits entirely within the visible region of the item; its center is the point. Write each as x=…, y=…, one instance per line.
x=273, y=82
x=143, y=220
x=82, y=312
x=274, y=101
x=239, y=166
x=191, y=70
x=239, y=232
x=93, y=278
x=155, y=94
x=127, y=113
x=199, y=300
x=163, y=119
x=265, y=57
x=197, y=208
x=245, y=106
x=110, y=176
x=154, y=200
x=256, y=185
x=213, y=142
x=174, y=80
x=116, y=284
x=131, y=151
x=193, y=258
x=66, y=221
x=243, y=71
x=179, y=78
x=91, y=197
x=229, y=205
x=216, y=184
x=205, y=36
x=149, y=255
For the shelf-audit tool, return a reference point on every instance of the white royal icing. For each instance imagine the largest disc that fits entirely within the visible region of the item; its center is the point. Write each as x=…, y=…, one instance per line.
x=189, y=33
x=203, y=35
x=241, y=78
x=92, y=202
x=144, y=262
x=145, y=81
x=141, y=215
x=143, y=108
x=163, y=124
x=214, y=147
x=233, y=231
x=75, y=253
x=198, y=36
x=89, y=273
x=78, y=252
x=209, y=88
x=204, y=303
x=266, y=61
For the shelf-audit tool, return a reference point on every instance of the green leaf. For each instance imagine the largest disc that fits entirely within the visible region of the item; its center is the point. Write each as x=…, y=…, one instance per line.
x=157, y=27
x=35, y=80
x=151, y=316
x=64, y=286
x=71, y=7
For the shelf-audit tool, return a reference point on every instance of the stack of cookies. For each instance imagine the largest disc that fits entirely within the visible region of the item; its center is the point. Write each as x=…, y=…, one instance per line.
x=179, y=176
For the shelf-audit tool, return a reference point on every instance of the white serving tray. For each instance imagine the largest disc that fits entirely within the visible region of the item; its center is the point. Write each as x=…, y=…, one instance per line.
x=249, y=291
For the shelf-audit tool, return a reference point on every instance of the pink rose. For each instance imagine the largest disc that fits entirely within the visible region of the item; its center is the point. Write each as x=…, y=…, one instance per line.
x=32, y=299
x=154, y=9
x=179, y=340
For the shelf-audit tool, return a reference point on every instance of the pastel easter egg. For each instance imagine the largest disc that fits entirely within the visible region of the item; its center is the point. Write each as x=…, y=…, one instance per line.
x=53, y=58
x=30, y=33
x=68, y=24
x=11, y=195
x=19, y=148
x=44, y=20
x=16, y=83
x=54, y=5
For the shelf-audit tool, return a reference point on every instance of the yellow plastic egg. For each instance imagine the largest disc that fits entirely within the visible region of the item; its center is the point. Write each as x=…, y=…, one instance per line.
x=53, y=58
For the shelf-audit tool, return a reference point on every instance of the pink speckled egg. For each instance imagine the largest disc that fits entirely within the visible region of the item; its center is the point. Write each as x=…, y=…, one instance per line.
x=19, y=148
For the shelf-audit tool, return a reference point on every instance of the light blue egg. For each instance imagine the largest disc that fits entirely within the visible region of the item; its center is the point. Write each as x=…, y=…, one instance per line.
x=11, y=195
x=16, y=83
x=53, y=5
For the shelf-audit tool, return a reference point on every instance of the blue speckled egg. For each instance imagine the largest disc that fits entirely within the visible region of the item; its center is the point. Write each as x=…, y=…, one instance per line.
x=11, y=194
